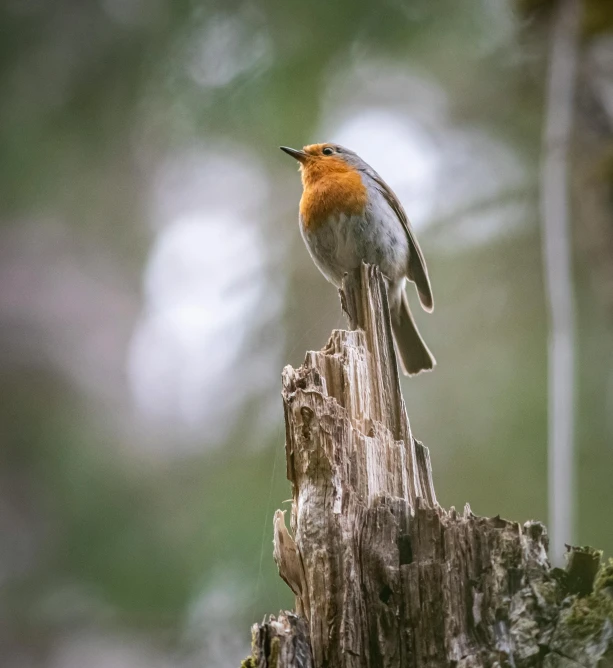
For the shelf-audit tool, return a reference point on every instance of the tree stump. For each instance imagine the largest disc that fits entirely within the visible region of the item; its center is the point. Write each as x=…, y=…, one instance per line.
x=383, y=576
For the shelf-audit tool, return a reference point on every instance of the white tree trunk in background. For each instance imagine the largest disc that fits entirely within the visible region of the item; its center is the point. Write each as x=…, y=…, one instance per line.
x=557, y=259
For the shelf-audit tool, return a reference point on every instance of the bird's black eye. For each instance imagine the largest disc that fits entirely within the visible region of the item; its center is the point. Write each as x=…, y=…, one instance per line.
x=328, y=151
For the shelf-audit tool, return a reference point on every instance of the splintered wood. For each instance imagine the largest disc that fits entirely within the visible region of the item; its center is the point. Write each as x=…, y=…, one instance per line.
x=383, y=576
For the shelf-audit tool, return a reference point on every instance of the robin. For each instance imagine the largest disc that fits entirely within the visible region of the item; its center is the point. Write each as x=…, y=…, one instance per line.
x=349, y=215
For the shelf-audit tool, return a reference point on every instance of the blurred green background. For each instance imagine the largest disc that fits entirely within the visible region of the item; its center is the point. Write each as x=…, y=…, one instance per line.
x=154, y=283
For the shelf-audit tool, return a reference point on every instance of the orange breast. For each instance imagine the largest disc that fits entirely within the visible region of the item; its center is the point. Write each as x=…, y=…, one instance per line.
x=331, y=188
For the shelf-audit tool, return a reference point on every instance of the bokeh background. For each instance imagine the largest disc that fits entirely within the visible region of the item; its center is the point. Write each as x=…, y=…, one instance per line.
x=153, y=283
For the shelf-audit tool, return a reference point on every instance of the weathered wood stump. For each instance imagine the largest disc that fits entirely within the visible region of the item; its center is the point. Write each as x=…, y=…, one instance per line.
x=383, y=576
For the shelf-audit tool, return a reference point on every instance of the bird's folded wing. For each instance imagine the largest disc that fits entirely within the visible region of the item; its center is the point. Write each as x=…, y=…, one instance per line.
x=417, y=270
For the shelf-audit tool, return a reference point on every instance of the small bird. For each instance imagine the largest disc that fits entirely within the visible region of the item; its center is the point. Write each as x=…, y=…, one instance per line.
x=349, y=215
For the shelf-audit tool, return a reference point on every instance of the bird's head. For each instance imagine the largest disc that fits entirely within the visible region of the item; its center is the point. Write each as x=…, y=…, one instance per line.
x=321, y=160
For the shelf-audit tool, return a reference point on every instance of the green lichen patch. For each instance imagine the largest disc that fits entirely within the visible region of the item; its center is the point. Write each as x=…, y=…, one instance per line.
x=251, y=661
x=275, y=644
x=604, y=579
x=587, y=615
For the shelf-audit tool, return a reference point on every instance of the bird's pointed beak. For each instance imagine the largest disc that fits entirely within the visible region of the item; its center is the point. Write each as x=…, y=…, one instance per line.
x=301, y=156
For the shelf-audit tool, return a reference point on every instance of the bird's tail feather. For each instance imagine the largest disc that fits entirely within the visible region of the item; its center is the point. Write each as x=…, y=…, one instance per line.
x=412, y=351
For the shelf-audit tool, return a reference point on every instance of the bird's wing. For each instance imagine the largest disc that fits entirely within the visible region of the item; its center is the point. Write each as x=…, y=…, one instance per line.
x=417, y=270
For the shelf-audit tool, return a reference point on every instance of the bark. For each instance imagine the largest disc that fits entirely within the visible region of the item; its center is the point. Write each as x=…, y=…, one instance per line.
x=383, y=576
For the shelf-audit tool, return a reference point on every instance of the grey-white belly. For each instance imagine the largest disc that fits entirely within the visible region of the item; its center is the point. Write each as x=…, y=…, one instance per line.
x=343, y=243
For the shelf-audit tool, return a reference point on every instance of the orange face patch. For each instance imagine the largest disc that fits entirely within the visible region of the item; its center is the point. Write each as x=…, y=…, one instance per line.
x=331, y=187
